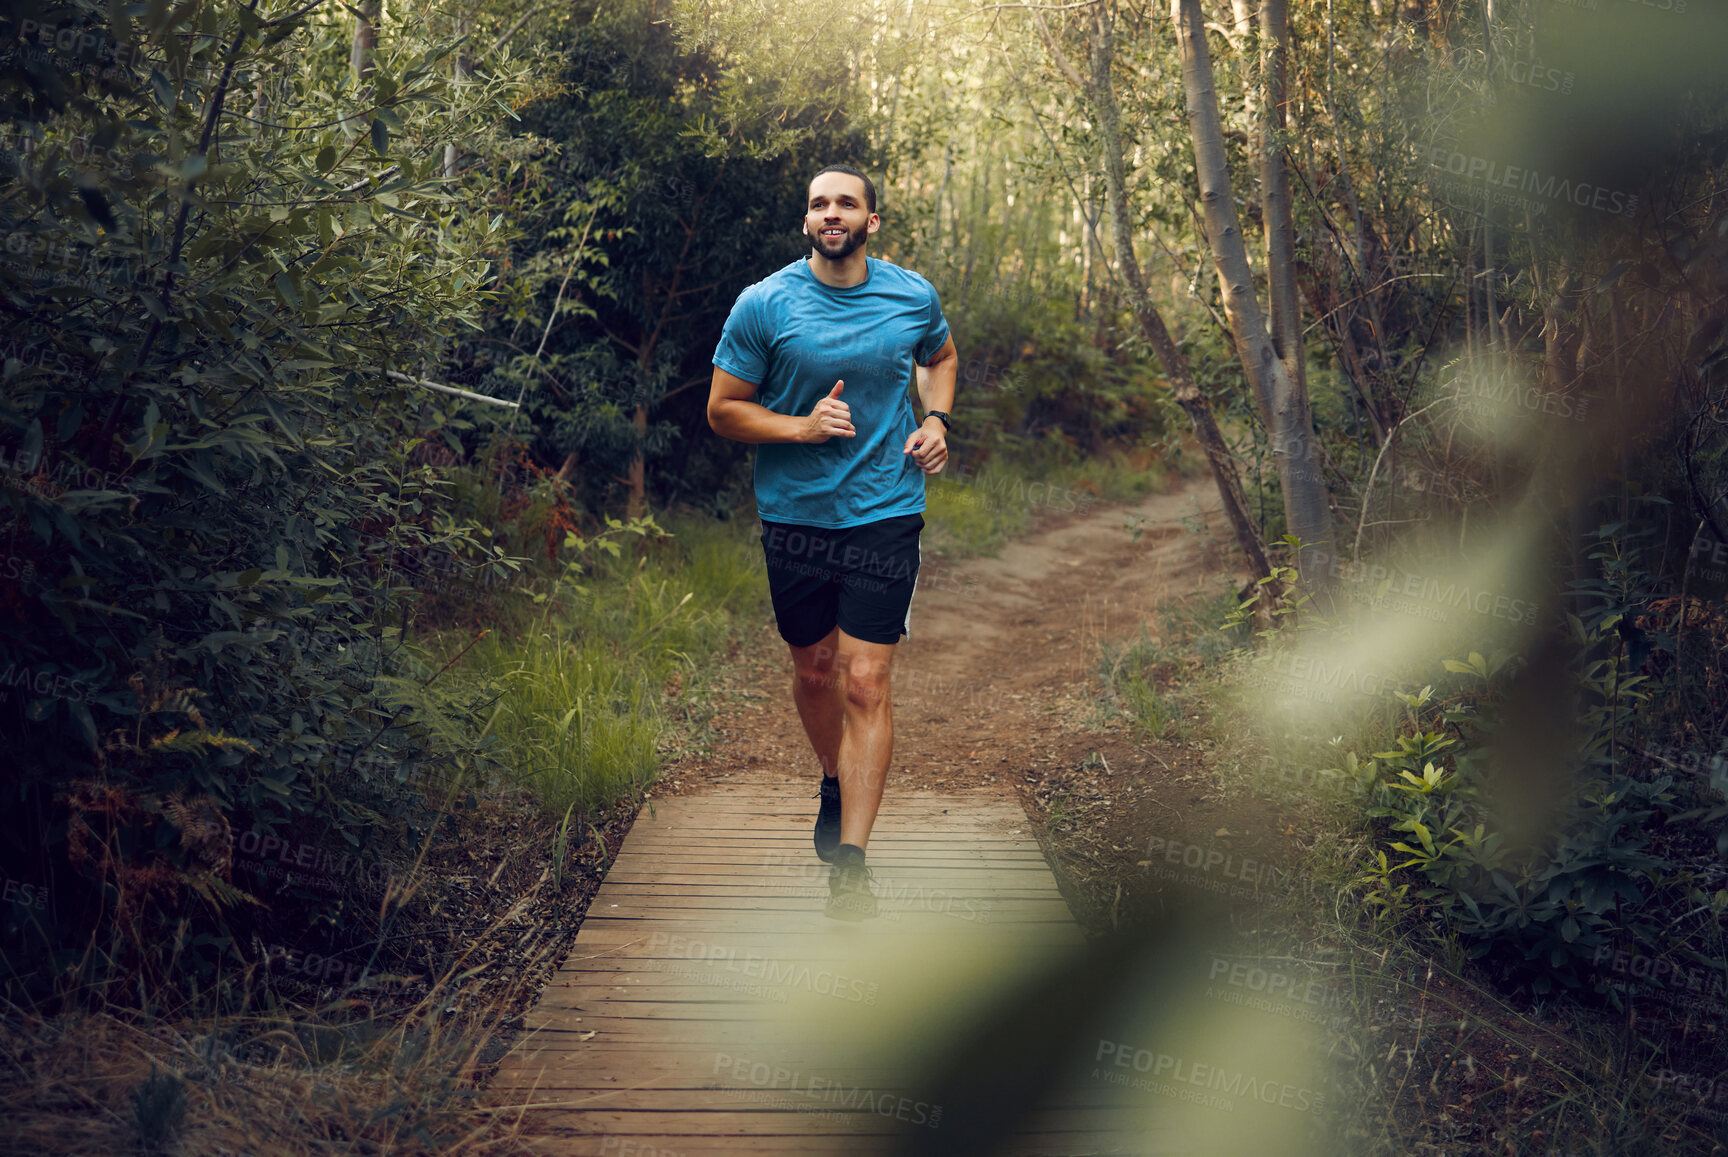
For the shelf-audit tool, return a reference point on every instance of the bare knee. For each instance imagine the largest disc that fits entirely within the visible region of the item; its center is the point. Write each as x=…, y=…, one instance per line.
x=813, y=667
x=867, y=687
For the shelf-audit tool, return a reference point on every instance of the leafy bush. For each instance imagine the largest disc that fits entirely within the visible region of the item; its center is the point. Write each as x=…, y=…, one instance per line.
x=1542, y=913
x=235, y=243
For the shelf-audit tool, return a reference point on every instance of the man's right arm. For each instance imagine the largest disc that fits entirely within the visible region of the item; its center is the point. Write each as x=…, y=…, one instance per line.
x=732, y=414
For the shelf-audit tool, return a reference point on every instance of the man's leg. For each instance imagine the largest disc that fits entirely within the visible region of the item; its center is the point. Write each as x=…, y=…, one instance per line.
x=820, y=698
x=867, y=739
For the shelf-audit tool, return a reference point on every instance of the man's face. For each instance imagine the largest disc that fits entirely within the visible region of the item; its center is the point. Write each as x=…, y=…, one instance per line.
x=837, y=220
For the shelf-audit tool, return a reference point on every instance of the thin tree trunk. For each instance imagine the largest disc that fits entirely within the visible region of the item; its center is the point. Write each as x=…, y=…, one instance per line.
x=636, y=502
x=1187, y=393
x=1283, y=404
x=1242, y=39
x=1275, y=183
x=365, y=43
x=463, y=69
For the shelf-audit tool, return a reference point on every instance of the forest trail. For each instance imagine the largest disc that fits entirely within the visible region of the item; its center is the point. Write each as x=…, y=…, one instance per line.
x=710, y=1006
x=996, y=677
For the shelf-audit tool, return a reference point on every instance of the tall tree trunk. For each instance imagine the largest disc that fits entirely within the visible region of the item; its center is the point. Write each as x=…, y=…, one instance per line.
x=462, y=70
x=365, y=43
x=1275, y=196
x=1283, y=403
x=1242, y=40
x=1188, y=396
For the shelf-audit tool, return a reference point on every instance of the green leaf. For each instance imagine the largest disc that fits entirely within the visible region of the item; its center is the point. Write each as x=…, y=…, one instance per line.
x=164, y=91
x=326, y=159
x=380, y=137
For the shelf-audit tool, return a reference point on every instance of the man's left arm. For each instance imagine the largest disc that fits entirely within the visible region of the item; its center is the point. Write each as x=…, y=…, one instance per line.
x=928, y=444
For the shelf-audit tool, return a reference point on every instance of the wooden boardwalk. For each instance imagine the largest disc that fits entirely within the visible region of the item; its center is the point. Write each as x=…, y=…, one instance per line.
x=710, y=1006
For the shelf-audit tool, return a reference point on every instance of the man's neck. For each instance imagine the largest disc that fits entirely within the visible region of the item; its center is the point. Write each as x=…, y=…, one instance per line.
x=849, y=271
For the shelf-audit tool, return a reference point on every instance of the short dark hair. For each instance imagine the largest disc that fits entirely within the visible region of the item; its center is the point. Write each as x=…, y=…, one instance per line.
x=869, y=189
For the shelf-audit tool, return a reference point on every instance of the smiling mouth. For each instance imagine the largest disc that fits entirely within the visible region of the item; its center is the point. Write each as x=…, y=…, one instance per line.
x=833, y=232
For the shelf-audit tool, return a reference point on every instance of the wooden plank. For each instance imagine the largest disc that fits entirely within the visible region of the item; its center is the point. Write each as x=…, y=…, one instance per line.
x=771, y=899
x=748, y=1126
x=707, y=943
x=687, y=1145
x=982, y=881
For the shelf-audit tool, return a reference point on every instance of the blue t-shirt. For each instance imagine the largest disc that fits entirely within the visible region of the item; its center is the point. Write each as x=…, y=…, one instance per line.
x=794, y=337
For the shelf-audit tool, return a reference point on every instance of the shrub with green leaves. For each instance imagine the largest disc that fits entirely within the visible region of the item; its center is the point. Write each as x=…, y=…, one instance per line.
x=1543, y=912
x=222, y=249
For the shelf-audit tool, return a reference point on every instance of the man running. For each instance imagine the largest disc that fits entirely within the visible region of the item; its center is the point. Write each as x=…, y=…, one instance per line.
x=813, y=366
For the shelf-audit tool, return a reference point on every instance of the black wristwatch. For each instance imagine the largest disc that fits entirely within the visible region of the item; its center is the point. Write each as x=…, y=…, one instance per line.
x=946, y=424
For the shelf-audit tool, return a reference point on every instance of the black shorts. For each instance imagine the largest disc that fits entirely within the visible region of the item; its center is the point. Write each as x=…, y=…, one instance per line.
x=857, y=577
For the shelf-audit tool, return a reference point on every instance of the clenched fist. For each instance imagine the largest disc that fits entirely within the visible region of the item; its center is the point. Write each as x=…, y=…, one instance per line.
x=831, y=418
x=928, y=446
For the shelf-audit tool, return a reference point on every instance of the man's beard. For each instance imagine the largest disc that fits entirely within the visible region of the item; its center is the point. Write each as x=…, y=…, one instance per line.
x=847, y=247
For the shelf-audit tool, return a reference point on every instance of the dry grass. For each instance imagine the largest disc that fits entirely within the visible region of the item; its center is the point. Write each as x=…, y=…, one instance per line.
x=393, y=1064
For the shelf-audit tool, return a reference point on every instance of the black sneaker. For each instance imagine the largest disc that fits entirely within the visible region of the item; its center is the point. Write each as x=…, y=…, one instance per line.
x=828, y=819
x=849, y=894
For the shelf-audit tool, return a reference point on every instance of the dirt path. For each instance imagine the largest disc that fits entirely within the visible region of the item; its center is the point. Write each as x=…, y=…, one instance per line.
x=997, y=685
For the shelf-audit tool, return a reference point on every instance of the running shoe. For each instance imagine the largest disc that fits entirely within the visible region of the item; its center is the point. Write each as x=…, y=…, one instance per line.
x=850, y=896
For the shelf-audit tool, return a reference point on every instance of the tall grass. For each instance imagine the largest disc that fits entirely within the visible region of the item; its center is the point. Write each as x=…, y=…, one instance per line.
x=590, y=670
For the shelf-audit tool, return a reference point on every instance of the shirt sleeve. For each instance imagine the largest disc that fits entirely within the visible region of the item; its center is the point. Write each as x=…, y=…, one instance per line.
x=935, y=332
x=744, y=344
